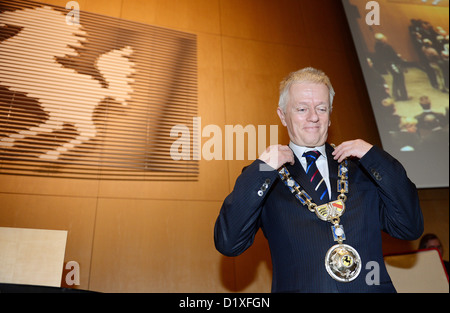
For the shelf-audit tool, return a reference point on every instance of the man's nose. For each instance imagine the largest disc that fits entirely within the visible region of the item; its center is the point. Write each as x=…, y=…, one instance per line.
x=313, y=116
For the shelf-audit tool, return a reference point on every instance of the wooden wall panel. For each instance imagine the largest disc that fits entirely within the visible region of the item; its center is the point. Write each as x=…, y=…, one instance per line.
x=263, y=20
x=48, y=186
x=192, y=15
x=74, y=214
x=325, y=26
x=155, y=246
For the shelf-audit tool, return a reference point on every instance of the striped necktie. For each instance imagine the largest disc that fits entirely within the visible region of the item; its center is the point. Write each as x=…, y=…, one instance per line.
x=314, y=175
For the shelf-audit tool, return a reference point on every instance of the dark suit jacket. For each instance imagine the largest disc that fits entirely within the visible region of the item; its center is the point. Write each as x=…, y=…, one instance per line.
x=381, y=197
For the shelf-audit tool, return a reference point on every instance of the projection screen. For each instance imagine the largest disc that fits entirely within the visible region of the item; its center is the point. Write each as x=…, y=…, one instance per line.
x=402, y=47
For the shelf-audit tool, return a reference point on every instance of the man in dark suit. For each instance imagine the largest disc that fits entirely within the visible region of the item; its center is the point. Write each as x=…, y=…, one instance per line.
x=429, y=120
x=315, y=245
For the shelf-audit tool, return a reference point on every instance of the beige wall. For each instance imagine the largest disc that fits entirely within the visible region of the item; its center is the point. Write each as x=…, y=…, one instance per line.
x=158, y=236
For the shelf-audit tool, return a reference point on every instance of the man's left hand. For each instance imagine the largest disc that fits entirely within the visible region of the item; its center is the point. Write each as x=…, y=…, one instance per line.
x=353, y=148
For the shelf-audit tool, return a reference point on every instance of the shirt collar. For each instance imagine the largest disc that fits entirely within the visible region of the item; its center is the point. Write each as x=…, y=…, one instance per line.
x=299, y=150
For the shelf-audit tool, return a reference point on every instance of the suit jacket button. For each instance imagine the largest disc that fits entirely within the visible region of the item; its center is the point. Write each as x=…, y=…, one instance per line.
x=260, y=193
x=376, y=174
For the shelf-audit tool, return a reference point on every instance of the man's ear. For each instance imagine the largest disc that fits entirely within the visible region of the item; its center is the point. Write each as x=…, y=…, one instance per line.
x=281, y=116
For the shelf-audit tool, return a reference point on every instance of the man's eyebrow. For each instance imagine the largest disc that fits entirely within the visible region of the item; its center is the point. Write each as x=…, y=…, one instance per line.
x=307, y=103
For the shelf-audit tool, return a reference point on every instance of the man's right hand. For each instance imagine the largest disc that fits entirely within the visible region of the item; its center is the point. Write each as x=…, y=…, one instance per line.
x=277, y=155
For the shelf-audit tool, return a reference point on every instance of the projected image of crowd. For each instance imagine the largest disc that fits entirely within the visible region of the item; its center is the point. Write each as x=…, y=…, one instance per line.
x=430, y=126
x=431, y=46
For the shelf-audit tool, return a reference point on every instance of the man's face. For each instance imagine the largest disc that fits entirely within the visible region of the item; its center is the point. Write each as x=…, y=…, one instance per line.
x=307, y=115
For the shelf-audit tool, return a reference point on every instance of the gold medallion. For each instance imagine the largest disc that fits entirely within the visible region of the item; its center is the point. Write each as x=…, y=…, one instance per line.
x=343, y=263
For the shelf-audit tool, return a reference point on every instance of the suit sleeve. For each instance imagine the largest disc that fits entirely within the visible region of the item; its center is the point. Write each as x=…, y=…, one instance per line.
x=400, y=212
x=239, y=217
